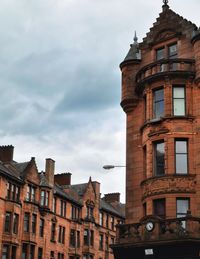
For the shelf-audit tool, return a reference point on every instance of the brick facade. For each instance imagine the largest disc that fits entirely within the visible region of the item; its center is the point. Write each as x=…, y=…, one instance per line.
x=161, y=98
x=44, y=216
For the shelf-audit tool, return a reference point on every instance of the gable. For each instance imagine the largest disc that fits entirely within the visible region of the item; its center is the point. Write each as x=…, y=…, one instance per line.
x=168, y=25
x=31, y=173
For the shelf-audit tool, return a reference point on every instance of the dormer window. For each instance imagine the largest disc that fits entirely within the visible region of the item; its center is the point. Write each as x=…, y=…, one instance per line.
x=90, y=210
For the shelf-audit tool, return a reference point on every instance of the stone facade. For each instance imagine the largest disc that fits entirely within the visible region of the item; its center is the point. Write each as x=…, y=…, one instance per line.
x=42, y=215
x=161, y=98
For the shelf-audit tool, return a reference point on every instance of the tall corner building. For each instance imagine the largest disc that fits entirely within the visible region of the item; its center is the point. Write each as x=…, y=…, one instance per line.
x=161, y=98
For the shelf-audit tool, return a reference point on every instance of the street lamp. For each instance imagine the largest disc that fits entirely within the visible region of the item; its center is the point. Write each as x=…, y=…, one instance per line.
x=108, y=167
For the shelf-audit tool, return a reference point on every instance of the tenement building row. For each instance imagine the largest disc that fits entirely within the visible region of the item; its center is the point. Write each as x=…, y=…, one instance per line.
x=42, y=215
x=161, y=99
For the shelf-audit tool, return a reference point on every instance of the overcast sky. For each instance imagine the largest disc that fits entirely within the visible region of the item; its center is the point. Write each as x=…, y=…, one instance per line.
x=60, y=80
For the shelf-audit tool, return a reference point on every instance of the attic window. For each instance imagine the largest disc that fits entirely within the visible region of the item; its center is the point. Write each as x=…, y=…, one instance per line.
x=160, y=53
x=173, y=51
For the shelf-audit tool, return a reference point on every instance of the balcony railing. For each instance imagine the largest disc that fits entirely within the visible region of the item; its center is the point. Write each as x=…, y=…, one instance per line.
x=163, y=230
x=165, y=66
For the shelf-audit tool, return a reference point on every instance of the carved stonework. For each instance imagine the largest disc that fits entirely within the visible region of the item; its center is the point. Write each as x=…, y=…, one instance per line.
x=168, y=184
x=164, y=35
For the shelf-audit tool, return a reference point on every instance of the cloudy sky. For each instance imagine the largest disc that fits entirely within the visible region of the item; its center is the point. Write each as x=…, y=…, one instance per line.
x=60, y=80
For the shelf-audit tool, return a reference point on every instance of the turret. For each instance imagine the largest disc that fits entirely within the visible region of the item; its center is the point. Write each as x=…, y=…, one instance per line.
x=129, y=68
x=196, y=44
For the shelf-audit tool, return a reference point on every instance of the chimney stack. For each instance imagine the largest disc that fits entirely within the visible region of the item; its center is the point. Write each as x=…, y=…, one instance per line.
x=6, y=153
x=49, y=171
x=63, y=179
x=112, y=197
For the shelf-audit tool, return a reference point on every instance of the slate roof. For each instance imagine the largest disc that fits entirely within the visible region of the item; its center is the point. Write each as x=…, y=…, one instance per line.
x=58, y=190
x=79, y=188
x=43, y=180
x=134, y=52
x=109, y=208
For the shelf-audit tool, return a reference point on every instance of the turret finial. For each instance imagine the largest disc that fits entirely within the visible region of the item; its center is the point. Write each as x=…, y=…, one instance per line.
x=135, y=38
x=165, y=2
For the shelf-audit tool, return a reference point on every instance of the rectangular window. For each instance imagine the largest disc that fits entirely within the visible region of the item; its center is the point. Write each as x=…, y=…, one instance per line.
x=101, y=242
x=90, y=212
x=112, y=222
x=30, y=194
x=7, y=226
x=91, y=237
x=75, y=212
x=173, y=51
x=5, y=252
x=14, y=252
x=60, y=256
x=178, y=101
x=160, y=53
x=32, y=252
x=41, y=227
x=159, y=208
x=158, y=103
x=61, y=235
x=42, y=198
x=26, y=222
x=107, y=244
x=52, y=255
x=15, y=223
x=101, y=218
x=53, y=232
x=86, y=237
x=34, y=222
x=72, y=239
x=62, y=208
x=182, y=207
x=181, y=156
x=54, y=204
x=13, y=192
x=24, y=251
x=78, y=239
x=107, y=220
x=40, y=252
x=159, y=158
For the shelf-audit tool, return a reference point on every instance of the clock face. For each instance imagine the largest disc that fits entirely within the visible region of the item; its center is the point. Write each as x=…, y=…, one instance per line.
x=149, y=226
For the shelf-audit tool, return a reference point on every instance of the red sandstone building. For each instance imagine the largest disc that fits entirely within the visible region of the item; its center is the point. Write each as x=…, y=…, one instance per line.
x=42, y=215
x=161, y=98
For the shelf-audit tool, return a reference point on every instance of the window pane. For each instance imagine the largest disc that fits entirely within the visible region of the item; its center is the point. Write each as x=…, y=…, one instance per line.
x=159, y=159
x=181, y=164
x=159, y=207
x=181, y=146
x=173, y=51
x=159, y=95
x=179, y=92
x=179, y=107
x=182, y=207
x=158, y=103
x=160, y=54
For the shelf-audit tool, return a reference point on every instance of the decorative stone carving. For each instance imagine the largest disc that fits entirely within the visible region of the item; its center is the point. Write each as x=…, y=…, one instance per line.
x=168, y=184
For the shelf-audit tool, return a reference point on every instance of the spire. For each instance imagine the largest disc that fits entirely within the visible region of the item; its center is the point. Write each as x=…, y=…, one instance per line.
x=134, y=52
x=135, y=38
